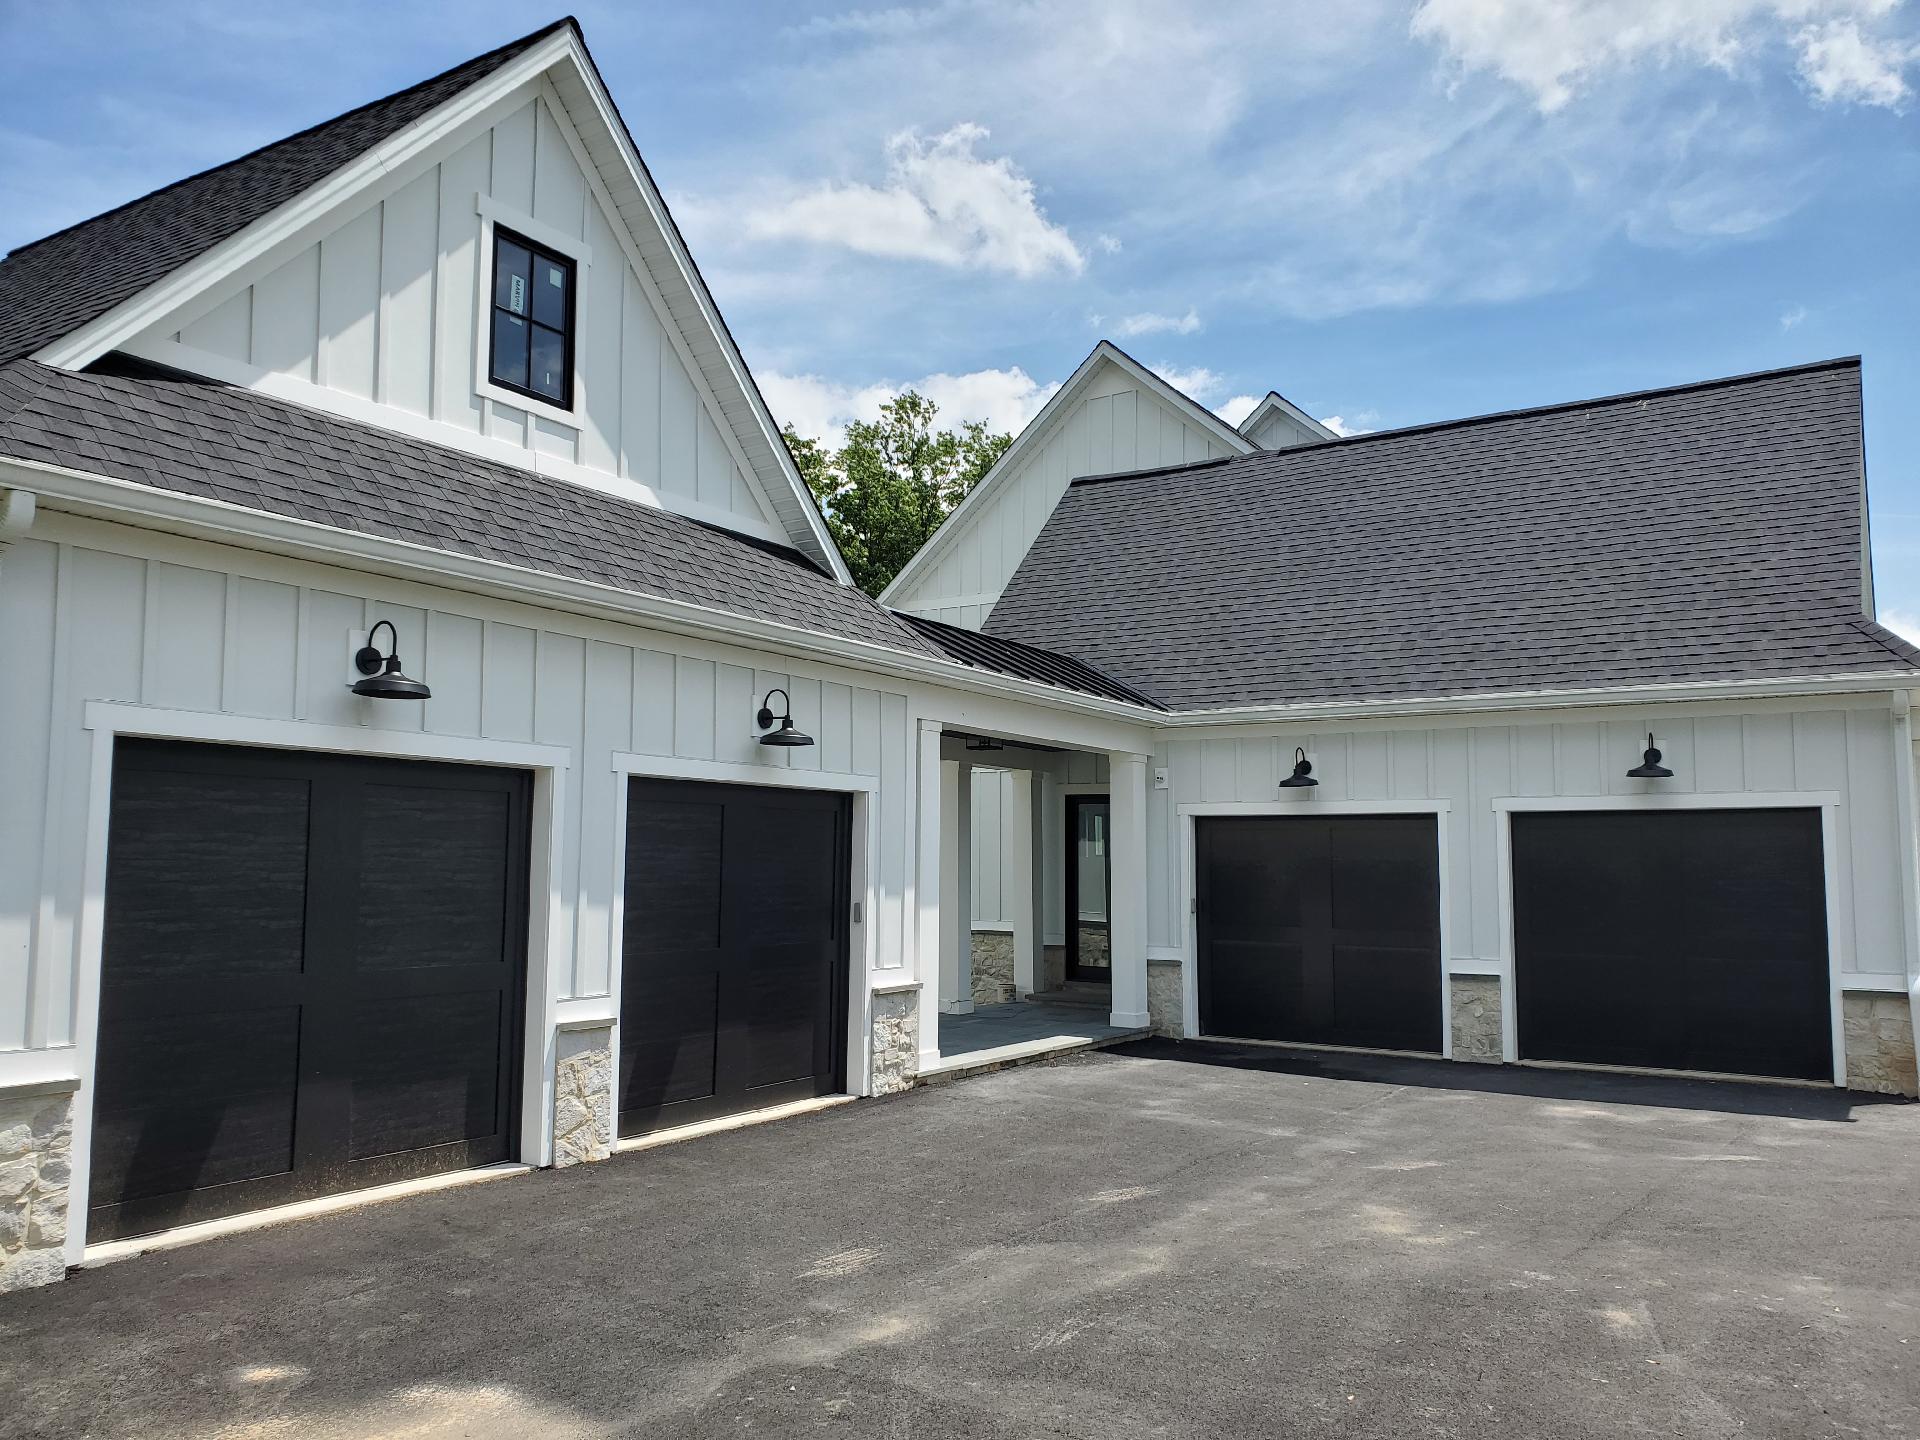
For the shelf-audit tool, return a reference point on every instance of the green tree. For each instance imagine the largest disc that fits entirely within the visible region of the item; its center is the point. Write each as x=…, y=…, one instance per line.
x=888, y=488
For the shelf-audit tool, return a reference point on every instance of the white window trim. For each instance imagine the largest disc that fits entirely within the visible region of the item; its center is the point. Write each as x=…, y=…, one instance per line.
x=864, y=978
x=491, y=212
x=1306, y=809
x=108, y=720
x=1827, y=802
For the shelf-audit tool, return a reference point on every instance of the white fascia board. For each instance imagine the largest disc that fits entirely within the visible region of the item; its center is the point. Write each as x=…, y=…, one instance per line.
x=126, y=502
x=689, y=275
x=1035, y=433
x=80, y=348
x=1276, y=401
x=1681, y=692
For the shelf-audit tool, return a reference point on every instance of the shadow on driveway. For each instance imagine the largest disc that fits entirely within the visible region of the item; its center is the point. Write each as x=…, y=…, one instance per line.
x=1728, y=1097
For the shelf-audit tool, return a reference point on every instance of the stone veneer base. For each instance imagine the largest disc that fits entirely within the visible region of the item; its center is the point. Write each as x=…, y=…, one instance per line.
x=992, y=967
x=583, y=1096
x=36, y=1164
x=896, y=1041
x=1879, y=1041
x=1473, y=1010
x=1167, y=998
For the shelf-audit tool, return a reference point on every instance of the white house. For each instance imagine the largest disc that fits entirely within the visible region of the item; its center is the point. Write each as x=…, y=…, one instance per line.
x=441, y=738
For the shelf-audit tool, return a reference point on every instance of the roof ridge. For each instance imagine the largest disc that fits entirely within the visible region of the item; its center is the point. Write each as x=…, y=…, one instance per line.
x=1838, y=362
x=498, y=50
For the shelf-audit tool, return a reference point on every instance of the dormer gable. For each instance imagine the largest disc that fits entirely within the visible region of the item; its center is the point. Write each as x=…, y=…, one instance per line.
x=353, y=268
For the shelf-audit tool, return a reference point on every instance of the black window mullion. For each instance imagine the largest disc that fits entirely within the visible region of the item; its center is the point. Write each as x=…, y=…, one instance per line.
x=530, y=328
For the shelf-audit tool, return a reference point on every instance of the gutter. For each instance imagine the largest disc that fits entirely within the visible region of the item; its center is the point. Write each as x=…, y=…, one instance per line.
x=100, y=497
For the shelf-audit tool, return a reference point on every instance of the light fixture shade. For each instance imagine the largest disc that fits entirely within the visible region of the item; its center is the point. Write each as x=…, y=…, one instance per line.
x=1650, y=767
x=786, y=735
x=383, y=678
x=1302, y=776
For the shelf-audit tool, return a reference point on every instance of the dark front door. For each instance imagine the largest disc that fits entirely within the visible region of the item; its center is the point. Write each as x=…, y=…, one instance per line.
x=734, y=981
x=1089, y=875
x=311, y=978
x=1324, y=931
x=1683, y=940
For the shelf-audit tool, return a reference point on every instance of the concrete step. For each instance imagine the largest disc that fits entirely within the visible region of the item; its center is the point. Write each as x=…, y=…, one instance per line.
x=1025, y=1052
x=1076, y=992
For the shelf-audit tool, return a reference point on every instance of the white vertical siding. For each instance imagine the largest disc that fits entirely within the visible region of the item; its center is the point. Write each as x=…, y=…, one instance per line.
x=1117, y=425
x=201, y=629
x=1844, y=748
x=387, y=308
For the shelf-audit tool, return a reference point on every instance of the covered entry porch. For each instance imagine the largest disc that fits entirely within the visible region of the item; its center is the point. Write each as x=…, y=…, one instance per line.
x=1041, y=920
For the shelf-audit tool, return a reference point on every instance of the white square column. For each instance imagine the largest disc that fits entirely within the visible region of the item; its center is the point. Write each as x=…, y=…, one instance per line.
x=1023, y=880
x=956, y=887
x=926, y=904
x=1127, y=893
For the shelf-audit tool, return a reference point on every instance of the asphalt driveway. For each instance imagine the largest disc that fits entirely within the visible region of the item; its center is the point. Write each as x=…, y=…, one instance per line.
x=1133, y=1243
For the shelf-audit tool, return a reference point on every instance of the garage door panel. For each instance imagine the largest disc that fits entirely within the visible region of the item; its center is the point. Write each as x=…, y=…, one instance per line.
x=668, y=1034
x=734, y=964
x=1320, y=929
x=1385, y=998
x=1259, y=985
x=308, y=961
x=1682, y=940
x=208, y=876
x=783, y=1008
x=427, y=1071
x=429, y=876
x=193, y=1100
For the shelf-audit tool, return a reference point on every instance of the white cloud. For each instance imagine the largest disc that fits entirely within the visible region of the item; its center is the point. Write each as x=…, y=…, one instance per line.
x=1904, y=623
x=1360, y=424
x=1109, y=244
x=1792, y=316
x=1555, y=48
x=821, y=409
x=1840, y=64
x=1196, y=383
x=942, y=202
x=1150, y=323
x=1237, y=409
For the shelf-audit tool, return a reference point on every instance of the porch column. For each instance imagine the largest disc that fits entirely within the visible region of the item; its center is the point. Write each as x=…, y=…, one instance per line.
x=1127, y=893
x=956, y=887
x=926, y=916
x=1022, y=871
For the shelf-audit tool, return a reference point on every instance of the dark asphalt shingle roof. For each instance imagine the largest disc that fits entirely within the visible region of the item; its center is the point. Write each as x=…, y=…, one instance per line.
x=1028, y=662
x=69, y=279
x=1710, y=532
x=134, y=422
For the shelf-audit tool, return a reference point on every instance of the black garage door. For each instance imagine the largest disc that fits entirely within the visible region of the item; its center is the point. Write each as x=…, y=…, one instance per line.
x=1320, y=930
x=311, y=978
x=1687, y=940
x=734, y=981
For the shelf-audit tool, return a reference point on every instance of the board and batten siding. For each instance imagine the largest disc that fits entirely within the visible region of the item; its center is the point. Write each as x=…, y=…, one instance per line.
x=388, y=308
x=1117, y=425
x=109, y=613
x=1837, y=746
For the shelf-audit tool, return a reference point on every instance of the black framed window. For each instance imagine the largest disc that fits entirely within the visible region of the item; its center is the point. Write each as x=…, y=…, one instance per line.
x=532, y=319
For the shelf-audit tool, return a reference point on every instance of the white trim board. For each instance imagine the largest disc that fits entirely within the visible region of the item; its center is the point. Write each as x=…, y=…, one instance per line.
x=1839, y=919
x=1307, y=808
x=108, y=720
x=1276, y=403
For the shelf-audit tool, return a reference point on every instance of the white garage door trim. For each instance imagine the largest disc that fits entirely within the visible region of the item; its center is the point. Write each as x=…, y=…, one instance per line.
x=862, y=933
x=1304, y=809
x=109, y=720
x=1832, y=838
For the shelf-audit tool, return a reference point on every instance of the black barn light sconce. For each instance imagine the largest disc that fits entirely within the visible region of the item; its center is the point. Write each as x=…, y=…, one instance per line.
x=383, y=678
x=1302, y=776
x=786, y=734
x=1650, y=767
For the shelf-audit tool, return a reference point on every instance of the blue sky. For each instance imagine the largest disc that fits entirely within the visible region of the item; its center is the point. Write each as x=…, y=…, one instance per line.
x=1391, y=212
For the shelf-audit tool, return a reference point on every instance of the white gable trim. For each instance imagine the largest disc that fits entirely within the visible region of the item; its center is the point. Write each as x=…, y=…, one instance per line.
x=1053, y=414
x=1276, y=402
x=712, y=358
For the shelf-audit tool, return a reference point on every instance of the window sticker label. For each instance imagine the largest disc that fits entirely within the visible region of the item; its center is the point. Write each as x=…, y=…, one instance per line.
x=517, y=295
